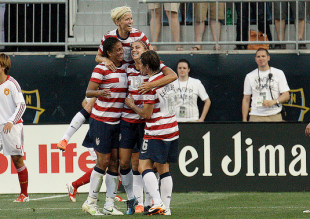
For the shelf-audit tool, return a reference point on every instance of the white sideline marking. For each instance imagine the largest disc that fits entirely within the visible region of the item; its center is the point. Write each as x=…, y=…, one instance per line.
x=49, y=197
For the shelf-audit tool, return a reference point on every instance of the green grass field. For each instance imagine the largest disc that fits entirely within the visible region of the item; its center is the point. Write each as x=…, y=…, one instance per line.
x=184, y=205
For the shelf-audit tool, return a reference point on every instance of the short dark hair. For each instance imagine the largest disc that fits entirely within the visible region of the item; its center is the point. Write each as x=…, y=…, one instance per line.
x=108, y=45
x=5, y=62
x=184, y=60
x=263, y=49
x=151, y=59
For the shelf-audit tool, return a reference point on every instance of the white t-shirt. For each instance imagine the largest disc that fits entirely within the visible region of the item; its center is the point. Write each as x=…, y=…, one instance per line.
x=258, y=85
x=187, y=93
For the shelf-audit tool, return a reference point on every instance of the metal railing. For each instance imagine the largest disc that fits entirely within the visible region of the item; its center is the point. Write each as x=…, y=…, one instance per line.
x=250, y=11
x=54, y=23
x=35, y=23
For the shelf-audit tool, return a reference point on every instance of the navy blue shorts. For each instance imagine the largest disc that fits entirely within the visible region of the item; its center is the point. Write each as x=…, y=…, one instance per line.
x=160, y=151
x=105, y=137
x=88, y=141
x=131, y=134
x=136, y=149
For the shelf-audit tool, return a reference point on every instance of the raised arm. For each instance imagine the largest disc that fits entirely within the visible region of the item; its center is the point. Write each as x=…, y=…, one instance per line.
x=170, y=76
x=107, y=62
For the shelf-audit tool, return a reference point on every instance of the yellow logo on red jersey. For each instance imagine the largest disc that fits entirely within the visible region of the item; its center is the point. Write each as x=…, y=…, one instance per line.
x=6, y=91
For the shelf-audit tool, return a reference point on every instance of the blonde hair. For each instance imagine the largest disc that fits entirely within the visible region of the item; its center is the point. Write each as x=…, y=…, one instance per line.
x=119, y=12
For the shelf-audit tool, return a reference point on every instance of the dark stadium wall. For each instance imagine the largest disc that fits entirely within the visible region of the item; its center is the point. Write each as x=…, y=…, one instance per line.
x=223, y=154
x=55, y=87
x=269, y=157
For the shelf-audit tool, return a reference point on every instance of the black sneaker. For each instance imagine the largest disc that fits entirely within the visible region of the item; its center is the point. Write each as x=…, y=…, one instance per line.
x=146, y=209
x=280, y=46
x=131, y=206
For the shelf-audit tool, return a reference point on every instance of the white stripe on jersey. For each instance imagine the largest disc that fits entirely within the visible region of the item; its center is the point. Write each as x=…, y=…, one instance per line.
x=135, y=79
x=162, y=125
x=134, y=35
x=109, y=110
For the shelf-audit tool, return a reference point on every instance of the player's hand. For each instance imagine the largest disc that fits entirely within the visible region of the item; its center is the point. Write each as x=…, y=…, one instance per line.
x=268, y=103
x=307, y=131
x=105, y=93
x=145, y=87
x=110, y=65
x=129, y=101
x=7, y=128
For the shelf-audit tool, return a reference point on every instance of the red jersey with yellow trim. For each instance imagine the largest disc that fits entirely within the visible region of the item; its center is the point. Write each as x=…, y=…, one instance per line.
x=163, y=124
x=12, y=102
x=109, y=109
x=134, y=35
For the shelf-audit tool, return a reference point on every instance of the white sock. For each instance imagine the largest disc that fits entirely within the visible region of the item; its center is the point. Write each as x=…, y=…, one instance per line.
x=166, y=185
x=148, y=198
x=151, y=185
x=127, y=182
x=77, y=121
x=111, y=182
x=96, y=179
x=138, y=185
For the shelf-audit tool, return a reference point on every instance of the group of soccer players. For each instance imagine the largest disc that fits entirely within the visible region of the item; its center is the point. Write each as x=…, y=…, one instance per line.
x=128, y=72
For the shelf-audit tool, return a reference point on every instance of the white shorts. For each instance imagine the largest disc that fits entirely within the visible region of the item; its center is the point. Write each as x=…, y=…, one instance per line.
x=13, y=142
x=93, y=154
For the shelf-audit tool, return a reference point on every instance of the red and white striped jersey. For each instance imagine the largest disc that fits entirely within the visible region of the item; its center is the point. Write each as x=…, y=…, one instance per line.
x=12, y=102
x=135, y=79
x=109, y=110
x=163, y=124
x=134, y=35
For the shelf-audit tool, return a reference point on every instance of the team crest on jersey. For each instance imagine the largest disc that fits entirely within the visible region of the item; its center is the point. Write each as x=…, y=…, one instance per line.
x=33, y=103
x=6, y=91
x=296, y=107
x=97, y=141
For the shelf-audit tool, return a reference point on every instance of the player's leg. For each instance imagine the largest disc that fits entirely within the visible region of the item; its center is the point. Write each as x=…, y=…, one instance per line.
x=22, y=177
x=13, y=145
x=77, y=121
x=112, y=145
x=166, y=185
x=138, y=183
x=85, y=179
x=129, y=136
x=97, y=132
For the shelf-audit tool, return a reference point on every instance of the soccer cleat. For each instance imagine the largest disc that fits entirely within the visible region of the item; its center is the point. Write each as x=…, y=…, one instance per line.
x=22, y=198
x=139, y=209
x=131, y=206
x=157, y=209
x=62, y=145
x=111, y=210
x=71, y=192
x=306, y=211
x=146, y=209
x=167, y=212
x=92, y=209
x=119, y=199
